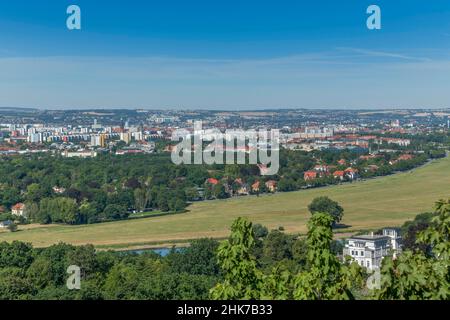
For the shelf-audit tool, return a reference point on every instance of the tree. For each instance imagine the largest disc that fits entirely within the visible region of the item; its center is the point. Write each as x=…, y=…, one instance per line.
x=242, y=280
x=260, y=231
x=121, y=282
x=32, y=210
x=14, y=285
x=176, y=204
x=325, y=278
x=10, y=196
x=84, y=257
x=142, y=197
x=192, y=194
x=59, y=209
x=411, y=231
x=115, y=212
x=328, y=206
x=162, y=201
x=199, y=258
x=277, y=246
x=34, y=192
x=17, y=254
x=219, y=191
x=88, y=212
x=40, y=272
x=68, y=210
x=132, y=183
x=417, y=275
x=12, y=227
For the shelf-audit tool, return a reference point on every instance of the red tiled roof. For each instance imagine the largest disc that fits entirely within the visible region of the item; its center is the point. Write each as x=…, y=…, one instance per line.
x=18, y=206
x=310, y=175
x=338, y=173
x=212, y=181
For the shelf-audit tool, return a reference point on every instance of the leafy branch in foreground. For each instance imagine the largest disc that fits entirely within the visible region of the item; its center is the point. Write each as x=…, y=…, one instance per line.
x=416, y=275
x=325, y=277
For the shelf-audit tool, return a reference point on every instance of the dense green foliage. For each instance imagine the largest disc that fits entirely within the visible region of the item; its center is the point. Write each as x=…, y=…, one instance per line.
x=323, y=277
x=416, y=274
x=27, y=273
x=94, y=190
x=252, y=264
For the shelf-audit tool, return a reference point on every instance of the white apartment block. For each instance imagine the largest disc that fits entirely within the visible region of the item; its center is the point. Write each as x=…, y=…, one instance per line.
x=369, y=250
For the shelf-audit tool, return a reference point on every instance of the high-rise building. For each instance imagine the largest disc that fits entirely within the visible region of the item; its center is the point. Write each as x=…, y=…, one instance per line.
x=102, y=141
x=95, y=140
x=126, y=137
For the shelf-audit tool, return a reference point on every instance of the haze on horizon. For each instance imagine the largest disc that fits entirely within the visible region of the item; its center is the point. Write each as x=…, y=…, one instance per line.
x=225, y=55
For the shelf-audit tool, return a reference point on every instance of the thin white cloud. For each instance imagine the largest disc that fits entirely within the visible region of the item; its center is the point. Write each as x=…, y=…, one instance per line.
x=384, y=54
x=306, y=80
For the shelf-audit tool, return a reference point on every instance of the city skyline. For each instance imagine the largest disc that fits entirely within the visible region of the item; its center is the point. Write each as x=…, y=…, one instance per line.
x=225, y=56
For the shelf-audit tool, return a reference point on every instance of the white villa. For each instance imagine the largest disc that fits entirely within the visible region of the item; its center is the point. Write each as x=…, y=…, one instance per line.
x=369, y=250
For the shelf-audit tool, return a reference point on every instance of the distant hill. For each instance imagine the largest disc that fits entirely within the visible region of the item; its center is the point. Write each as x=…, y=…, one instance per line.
x=11, y=109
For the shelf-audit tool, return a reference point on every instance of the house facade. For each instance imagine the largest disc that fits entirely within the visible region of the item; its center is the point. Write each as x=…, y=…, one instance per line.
x=369, y=250
x=18, y=210
x=271, y=185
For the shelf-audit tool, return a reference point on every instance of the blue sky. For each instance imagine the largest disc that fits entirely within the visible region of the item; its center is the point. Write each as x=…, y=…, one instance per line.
x=224, y=54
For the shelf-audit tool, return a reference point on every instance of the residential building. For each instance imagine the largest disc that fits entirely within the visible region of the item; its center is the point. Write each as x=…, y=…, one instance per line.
x=339, y=174
x=126, y=137
x=309, y=175
x=271, y=185
x=212, y=181
x=255, y=186
x=369, y=250
x=18, y=209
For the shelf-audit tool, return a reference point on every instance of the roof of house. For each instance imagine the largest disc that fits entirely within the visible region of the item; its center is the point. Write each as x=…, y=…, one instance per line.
x=212, y=181
x=405, y=157
x=255, y=185
x=18, y=206
x=369, y=237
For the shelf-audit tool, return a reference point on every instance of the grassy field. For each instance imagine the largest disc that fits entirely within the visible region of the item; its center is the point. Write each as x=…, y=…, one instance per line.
x=386, y=201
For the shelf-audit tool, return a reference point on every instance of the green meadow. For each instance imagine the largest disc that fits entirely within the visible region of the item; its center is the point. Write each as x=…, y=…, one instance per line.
x=385, y=201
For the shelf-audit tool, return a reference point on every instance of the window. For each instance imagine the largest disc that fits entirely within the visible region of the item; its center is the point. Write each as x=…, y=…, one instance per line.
x=368, y=264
